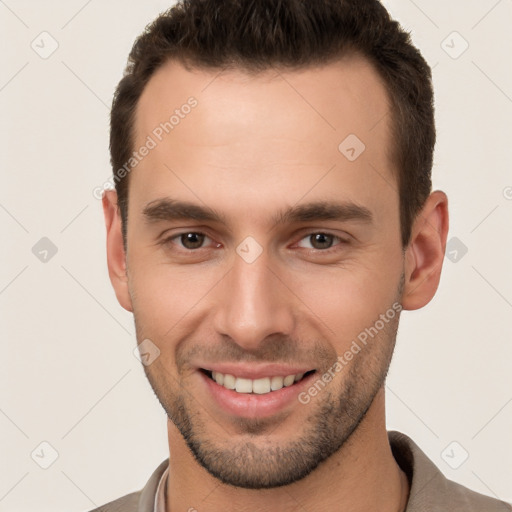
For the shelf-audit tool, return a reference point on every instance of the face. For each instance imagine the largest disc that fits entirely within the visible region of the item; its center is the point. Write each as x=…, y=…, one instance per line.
x=258, y=247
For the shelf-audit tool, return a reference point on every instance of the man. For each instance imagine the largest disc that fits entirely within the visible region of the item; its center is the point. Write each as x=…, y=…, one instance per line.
x=272, y=217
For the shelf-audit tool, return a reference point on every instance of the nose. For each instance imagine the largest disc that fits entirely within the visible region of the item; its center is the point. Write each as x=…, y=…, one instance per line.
x=253, y=304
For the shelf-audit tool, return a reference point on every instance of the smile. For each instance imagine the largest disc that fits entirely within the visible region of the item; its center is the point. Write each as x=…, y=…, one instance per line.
x=259, y=386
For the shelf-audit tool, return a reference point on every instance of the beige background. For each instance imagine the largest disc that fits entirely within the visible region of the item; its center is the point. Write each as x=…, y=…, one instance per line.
x=68, y=376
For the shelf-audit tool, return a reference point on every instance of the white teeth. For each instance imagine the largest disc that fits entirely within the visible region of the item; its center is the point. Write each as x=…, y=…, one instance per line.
x=288, y=380
x=243, y=385
x=229, y=381
x=261, y=386
x=258, y=386
x=218, y=377
x=276, y=383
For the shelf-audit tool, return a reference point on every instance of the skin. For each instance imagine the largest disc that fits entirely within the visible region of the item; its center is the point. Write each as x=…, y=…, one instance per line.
x=253, y=146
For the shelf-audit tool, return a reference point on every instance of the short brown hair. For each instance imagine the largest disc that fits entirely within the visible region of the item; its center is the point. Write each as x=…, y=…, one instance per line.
x=255, y=35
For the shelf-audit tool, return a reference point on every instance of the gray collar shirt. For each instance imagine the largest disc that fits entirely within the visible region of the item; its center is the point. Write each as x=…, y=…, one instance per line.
x=430, y=490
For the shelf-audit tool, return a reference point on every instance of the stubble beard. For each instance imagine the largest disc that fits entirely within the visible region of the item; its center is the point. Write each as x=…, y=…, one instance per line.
x=255, y=460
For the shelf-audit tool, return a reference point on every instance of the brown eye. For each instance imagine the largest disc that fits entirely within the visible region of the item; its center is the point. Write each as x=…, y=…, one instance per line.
x=192, y=240
x=319, y=241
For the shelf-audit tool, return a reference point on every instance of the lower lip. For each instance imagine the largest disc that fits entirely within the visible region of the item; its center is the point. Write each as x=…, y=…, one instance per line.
x=252, y=405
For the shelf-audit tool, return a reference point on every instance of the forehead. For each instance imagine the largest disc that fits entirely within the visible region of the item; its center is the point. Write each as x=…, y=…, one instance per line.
x=276, y=130
x=348, y=94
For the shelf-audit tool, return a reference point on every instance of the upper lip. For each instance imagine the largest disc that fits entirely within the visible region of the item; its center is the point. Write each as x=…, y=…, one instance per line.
x=246, y=371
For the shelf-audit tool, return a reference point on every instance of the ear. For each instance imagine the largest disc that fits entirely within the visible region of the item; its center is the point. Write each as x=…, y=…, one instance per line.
x=424, y=255
x=116, y=257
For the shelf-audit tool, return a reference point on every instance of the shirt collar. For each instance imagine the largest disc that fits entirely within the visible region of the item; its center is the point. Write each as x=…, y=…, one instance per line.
x=161, y=492
x=429, y=488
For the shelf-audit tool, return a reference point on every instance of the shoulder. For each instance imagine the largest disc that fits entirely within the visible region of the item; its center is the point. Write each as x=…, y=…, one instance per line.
x=430, y=489
x=139, y=501
x=127, y=503
x=462, y=498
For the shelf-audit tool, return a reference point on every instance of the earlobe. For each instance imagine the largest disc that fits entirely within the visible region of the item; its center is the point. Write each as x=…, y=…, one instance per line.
x=424, y=255
x=116, y=256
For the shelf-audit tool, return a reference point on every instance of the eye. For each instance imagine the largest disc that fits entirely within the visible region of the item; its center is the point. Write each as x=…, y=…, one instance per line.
x=320, y=241
x=190, y=240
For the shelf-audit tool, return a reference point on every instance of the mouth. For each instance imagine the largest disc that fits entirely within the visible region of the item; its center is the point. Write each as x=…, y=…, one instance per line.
x=261, y=386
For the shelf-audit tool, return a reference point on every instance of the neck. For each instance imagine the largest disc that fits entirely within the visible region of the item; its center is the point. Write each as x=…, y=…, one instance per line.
x=363, y=473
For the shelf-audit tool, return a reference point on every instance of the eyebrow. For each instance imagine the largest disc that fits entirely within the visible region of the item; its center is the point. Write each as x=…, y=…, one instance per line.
x=168, y=209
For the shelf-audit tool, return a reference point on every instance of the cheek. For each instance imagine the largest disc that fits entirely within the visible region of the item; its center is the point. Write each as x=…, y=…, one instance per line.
x=346, y=301
x=164, y=295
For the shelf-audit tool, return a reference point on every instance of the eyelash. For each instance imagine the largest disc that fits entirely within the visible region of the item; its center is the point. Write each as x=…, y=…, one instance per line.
x=341, y=241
